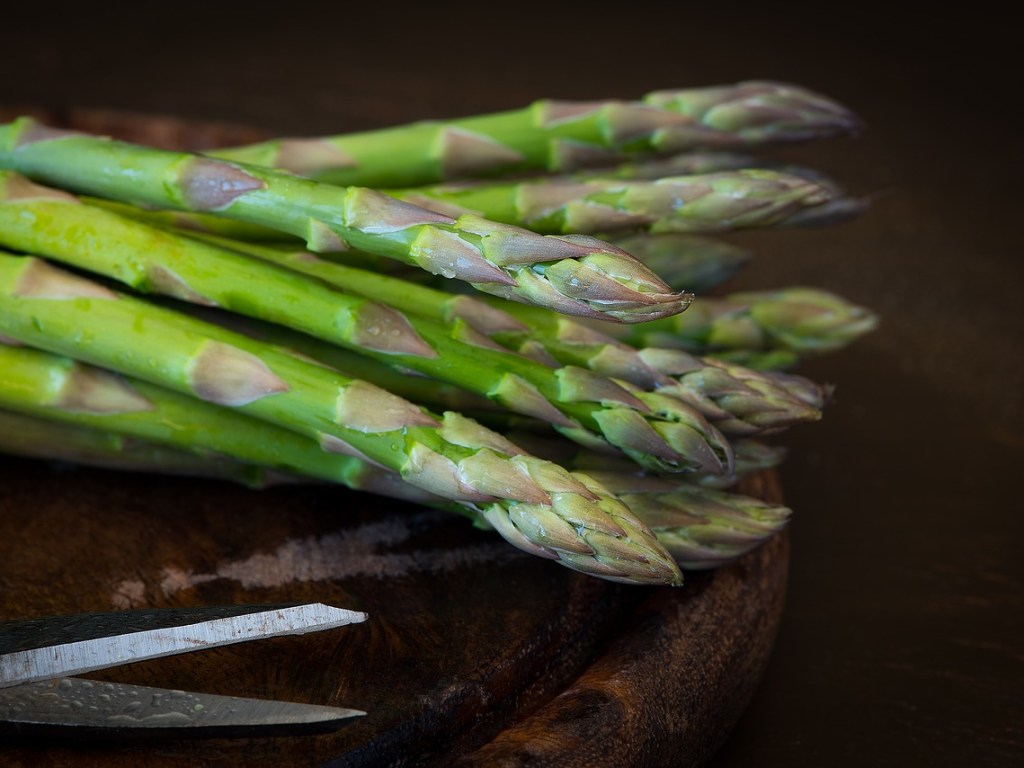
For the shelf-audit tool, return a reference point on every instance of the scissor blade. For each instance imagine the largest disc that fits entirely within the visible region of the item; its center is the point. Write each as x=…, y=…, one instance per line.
x=74, y=708
x=68, y=645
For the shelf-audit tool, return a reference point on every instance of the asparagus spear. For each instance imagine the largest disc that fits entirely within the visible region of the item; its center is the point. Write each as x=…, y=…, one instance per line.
x=558, y=136
x=690, y=193
x=536, y=505
x=576, y=275
x=839, y=206
x=701, y=528
x=210, y=224
x=715, y=202
x=666, y=435
x=39, y=438
x=798, y=321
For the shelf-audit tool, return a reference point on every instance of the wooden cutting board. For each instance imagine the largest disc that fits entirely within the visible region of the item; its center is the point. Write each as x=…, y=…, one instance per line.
x=474, y=653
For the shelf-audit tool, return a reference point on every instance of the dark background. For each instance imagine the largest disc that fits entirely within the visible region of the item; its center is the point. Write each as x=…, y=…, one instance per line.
x=901, y=641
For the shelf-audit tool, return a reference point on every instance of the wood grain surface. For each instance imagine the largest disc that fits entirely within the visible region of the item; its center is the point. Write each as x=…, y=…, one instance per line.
x=474, y=654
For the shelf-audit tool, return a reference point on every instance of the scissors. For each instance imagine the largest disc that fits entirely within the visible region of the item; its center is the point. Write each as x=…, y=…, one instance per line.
x=38, y=699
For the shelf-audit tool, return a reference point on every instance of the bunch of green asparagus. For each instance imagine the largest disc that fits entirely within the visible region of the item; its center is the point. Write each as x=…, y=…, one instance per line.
x=492, y=315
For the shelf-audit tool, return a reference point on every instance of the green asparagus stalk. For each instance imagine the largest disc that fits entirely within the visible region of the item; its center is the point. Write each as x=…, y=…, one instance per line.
x=40, y=438
x=839, y=206
x=209, y=224
x=558, y=136
x=797, y=322
x=574, y=274
x=715, y=202
x=536, y=505
x=760, y=111
x=702, y=530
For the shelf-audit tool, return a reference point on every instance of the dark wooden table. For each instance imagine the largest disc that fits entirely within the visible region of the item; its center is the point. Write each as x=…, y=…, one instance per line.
x=900, y=643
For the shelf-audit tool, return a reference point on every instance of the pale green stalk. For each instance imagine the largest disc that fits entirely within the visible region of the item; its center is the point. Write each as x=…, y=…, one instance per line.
x=558, y=136
x=39, y=438
x=714, y=202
